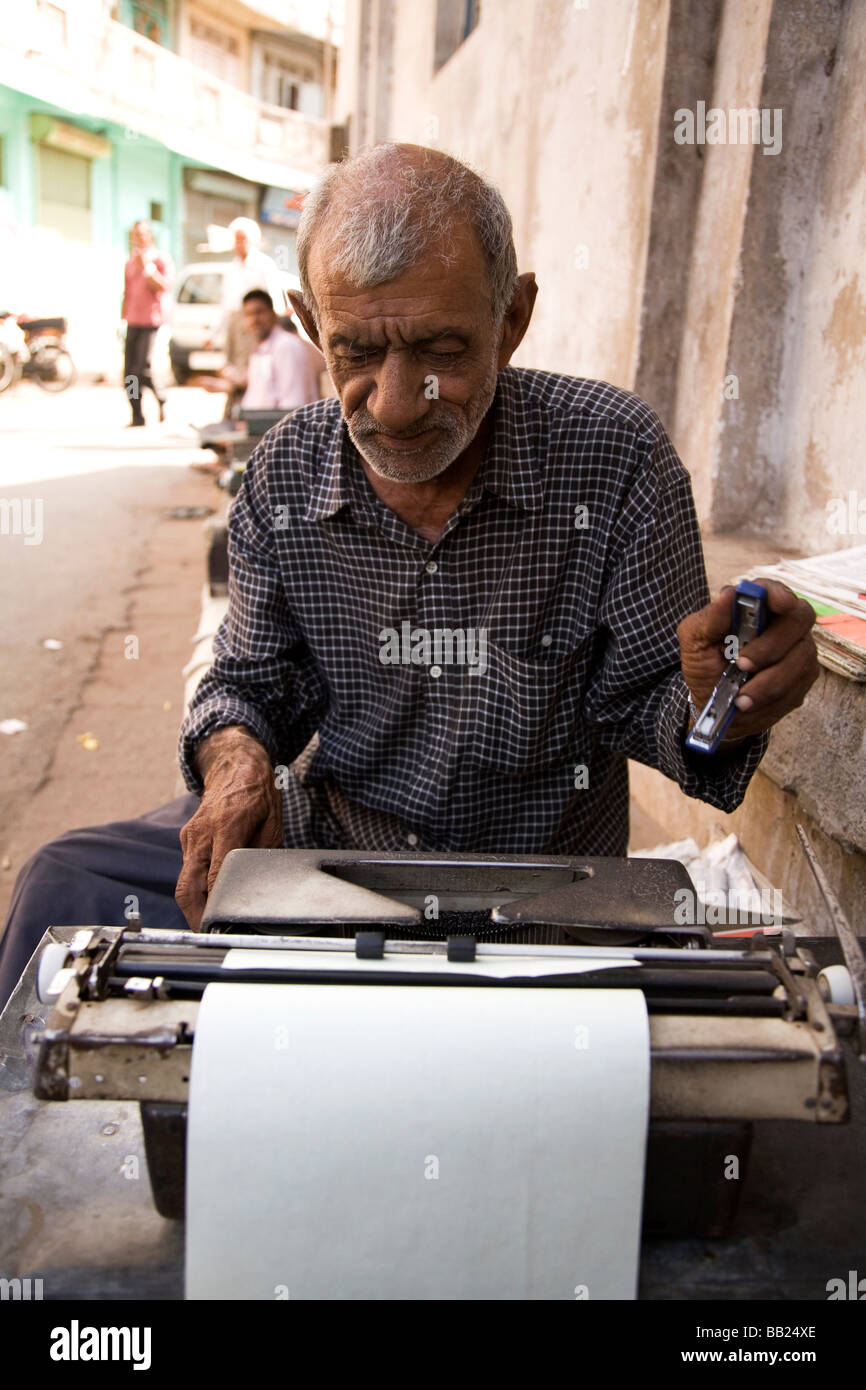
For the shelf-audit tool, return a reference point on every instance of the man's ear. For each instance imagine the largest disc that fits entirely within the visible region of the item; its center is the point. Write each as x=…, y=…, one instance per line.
x=297, y=302
x=517, y=317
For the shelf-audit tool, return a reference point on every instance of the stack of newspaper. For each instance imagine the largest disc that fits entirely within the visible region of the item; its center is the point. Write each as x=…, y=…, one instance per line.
x=835, y=585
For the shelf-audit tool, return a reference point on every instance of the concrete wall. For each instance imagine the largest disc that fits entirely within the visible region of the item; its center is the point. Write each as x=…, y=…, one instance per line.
x=671, y=268
x=723, y=283
x=560, y=107
x=752, y=349
x=814, y=437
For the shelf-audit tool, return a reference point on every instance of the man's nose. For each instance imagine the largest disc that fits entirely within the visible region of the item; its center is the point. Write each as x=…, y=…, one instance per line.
x=397, y=401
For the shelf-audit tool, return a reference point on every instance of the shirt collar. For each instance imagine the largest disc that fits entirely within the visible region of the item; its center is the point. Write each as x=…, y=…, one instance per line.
x=508, y=470
x=329, y=493
x=518, y=438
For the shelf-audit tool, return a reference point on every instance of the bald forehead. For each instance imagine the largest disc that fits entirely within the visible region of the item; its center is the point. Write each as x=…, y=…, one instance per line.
x=360, y=176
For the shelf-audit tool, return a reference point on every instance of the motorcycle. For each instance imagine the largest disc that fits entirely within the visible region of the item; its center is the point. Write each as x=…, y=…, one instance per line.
x=35, y=348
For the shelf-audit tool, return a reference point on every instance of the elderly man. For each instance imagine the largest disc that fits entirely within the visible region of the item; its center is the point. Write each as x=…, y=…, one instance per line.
x=480, y=587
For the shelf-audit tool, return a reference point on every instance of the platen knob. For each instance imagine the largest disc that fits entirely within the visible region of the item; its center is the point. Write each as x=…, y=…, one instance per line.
x=836, y=985
x=53, y=958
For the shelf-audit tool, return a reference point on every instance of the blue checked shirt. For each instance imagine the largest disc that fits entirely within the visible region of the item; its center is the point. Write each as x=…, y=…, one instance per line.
x=482, y=692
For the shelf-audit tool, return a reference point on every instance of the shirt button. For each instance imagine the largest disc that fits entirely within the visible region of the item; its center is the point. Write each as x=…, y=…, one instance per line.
x=435, y=671
x=412, y=839
x=431, y=567
x=546, y=640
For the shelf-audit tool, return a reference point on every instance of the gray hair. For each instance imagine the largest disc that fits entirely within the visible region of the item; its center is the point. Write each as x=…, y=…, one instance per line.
x=388, y=211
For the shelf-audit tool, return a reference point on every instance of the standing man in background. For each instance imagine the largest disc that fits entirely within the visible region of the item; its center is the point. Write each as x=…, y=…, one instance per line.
x=250, y=269
x=145, y=280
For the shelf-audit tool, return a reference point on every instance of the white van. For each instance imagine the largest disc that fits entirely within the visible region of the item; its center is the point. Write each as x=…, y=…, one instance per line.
x=195, y=318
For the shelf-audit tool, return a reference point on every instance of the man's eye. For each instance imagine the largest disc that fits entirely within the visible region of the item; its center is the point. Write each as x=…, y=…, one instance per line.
x=443, y=356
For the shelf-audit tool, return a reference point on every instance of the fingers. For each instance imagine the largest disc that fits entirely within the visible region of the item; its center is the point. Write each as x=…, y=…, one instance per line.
x=211, y=835
x=712, y=624
x=782, y=662
x=783, y=685
x=790, y=618
x=228, y=834
x=191, y=891
x=792, y=621
x=270, y=833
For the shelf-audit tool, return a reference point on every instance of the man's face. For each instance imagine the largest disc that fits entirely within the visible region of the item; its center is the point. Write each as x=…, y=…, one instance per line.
x=242, y=244
x=259, y=319
x=414, y=362
x=140, y=237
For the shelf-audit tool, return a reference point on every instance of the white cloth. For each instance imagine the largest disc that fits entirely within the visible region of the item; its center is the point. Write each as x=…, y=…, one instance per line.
x=281, y=373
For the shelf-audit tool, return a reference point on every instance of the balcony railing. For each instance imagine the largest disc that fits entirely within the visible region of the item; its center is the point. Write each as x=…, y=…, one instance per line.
x=104, y=69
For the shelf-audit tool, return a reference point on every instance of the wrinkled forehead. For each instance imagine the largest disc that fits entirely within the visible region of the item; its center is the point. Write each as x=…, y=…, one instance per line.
x=449, y=280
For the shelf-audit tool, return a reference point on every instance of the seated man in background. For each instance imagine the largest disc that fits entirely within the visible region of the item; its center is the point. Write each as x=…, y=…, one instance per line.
x=282, y=372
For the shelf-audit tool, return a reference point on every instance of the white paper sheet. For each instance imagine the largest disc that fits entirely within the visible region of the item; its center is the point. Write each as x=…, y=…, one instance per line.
x=416, y=1142
x=494, y=967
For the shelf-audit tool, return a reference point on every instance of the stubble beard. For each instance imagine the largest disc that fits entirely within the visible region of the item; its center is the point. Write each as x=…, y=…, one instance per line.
x=454, y=435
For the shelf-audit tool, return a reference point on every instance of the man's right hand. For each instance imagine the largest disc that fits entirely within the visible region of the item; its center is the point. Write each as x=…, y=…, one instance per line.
x=241, y=808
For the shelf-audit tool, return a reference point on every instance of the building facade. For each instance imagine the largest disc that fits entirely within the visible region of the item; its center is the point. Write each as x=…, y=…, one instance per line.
x=687, y=180
x=184, y=114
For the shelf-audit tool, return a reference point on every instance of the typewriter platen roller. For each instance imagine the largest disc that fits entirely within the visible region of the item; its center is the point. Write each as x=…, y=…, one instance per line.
x=738, y=1033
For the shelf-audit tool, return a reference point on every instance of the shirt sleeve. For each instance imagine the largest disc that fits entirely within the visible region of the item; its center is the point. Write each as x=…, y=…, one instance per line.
x=258, y=675
x=637, y=700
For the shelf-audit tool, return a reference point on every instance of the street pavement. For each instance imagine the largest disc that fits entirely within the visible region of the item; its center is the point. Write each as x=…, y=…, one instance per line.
x=90, y=558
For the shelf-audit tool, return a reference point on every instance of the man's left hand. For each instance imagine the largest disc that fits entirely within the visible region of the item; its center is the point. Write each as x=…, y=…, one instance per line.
x=783, y=659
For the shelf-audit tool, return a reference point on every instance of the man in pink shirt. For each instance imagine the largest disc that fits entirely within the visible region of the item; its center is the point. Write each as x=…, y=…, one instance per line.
x=145, y=280
x=283, y=371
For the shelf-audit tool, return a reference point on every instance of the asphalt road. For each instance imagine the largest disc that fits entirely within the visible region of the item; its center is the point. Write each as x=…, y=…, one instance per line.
x=90, y=557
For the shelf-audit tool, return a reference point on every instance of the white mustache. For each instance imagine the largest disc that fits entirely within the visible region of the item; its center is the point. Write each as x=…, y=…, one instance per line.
x=365, y=426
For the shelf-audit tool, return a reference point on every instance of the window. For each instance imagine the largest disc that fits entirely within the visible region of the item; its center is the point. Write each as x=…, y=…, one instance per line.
x=64, y=192
x=291, y=83
x=215, y=50
x=288, y=92
x=202, y=288
x=455, y=20
x=150, y=19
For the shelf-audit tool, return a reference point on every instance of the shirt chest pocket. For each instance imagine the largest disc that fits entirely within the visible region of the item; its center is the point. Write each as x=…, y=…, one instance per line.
x=522, y=715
